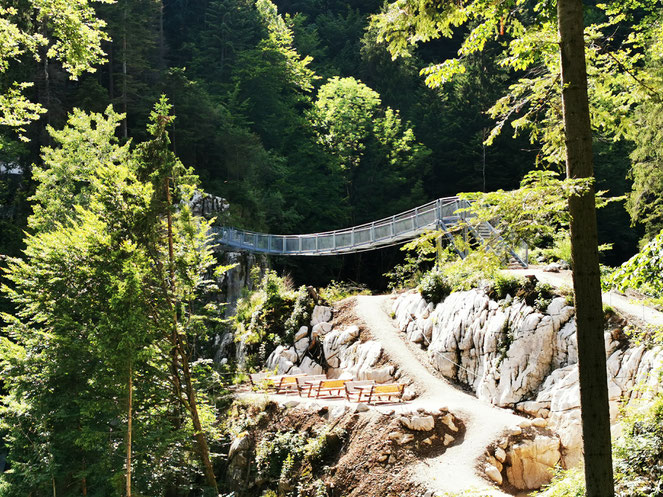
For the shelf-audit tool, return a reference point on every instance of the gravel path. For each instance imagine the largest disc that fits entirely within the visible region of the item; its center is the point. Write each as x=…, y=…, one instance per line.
x=455, y=470
x=630, y=308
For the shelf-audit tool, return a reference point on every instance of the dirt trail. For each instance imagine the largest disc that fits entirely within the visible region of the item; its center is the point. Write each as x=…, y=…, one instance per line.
x=455, y=470
x=628, y=307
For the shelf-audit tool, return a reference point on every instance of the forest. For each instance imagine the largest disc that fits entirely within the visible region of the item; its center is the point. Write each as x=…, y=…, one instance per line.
x=304, y=116
x=261, y=92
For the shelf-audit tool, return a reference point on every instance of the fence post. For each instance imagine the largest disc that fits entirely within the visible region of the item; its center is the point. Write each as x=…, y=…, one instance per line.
x=352, y=237
x=373, y=232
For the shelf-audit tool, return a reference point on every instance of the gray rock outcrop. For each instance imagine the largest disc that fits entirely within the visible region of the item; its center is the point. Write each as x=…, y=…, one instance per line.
x=514, y=355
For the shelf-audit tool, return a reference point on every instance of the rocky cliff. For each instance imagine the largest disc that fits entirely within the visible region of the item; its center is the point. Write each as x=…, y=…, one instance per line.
x=514, y=355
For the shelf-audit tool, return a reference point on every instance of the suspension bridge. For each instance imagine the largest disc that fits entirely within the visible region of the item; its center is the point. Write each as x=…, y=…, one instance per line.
x=444, y=214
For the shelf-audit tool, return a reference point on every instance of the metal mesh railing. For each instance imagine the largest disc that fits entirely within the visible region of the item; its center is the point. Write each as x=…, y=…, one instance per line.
x=441, y=213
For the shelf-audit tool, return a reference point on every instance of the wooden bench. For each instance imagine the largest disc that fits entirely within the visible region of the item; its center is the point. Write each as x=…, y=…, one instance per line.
x=305, y=384
x=357, y=389
x=389, y=390
x=288, y=383
x=329, y=386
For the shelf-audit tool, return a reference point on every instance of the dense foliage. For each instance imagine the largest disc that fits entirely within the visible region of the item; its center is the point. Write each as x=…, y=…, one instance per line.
x=260, y=89
x=270, y=316
x=111, y=294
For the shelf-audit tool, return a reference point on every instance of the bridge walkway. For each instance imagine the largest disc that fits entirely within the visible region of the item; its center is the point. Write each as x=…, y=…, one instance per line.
x=439, y=214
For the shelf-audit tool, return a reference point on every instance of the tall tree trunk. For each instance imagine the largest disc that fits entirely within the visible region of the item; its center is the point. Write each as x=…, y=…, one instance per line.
x=162, y=40
x=129, y=427
x=203, y=448
x=125, y=130
x=111, y=78
x=179, y=350
x=584, y=249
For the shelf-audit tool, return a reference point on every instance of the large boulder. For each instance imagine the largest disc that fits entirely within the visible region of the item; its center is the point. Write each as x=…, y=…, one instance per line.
x=321, y=314
x=530, y=463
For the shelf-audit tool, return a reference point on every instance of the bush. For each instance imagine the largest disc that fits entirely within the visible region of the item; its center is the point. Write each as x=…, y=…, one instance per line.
x=639, y=453
x=435, y=287
x=276, y=449
x=638, y=459
x=336, y=291
x=270, y=316
x=504, y=284
x=642, y=272
x=570, y=483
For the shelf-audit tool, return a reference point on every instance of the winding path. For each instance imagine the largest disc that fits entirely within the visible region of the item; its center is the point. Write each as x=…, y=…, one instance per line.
x=455, y=470
x=637, y=312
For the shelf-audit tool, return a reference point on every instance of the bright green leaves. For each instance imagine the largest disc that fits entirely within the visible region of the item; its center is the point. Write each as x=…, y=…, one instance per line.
x=64, y=30
x=281, y=37
x=645, y=202
x=86, y=148
x=533, y=213
x=525, y=34
x=75, y=33
x=96, y=296
x=377, y=156
x=642, y=272
x=343, y=117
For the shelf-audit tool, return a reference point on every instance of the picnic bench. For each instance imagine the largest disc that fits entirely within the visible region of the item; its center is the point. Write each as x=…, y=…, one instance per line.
x=305, y=384
x=386, y=391
x=357, y=389
x=328, y=387
x=286, y=383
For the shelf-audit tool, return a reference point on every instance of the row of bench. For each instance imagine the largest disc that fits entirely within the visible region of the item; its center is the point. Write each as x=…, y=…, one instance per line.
x=319, y=386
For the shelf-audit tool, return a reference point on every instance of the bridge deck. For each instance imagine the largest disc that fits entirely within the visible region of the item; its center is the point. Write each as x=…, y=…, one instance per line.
x=439, y=214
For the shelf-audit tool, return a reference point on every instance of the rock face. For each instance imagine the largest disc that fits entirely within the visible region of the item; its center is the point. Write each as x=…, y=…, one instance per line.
x=343, y=352
x=232, y=283
x=513, y=355
x=238, y=459
x=504, y=352
x=530, y=463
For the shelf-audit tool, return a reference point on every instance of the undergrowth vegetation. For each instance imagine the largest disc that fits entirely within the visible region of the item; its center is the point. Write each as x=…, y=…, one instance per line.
x=339, y=290
x=638, y=459
x=287, y=461
x=270, y=315
x=437, y=272
x=643, y=272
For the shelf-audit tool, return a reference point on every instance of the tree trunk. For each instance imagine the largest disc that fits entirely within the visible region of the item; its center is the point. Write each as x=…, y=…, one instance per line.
x=203, y=448
x=584, y=249
x=125, y=130
x=162, y=41
x=179, y=350
x=129, y=429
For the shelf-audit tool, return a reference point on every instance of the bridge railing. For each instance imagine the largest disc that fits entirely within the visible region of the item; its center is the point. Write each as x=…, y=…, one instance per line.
x=377, y=233
x=441, y=213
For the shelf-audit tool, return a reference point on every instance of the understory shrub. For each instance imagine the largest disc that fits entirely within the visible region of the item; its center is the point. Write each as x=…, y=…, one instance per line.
x=339, y=290
x=434, y=286
x=270, y=316
x=638, y=458
x=278, y=451
x=643, y=272
x=639, y=453
x=569, y=483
